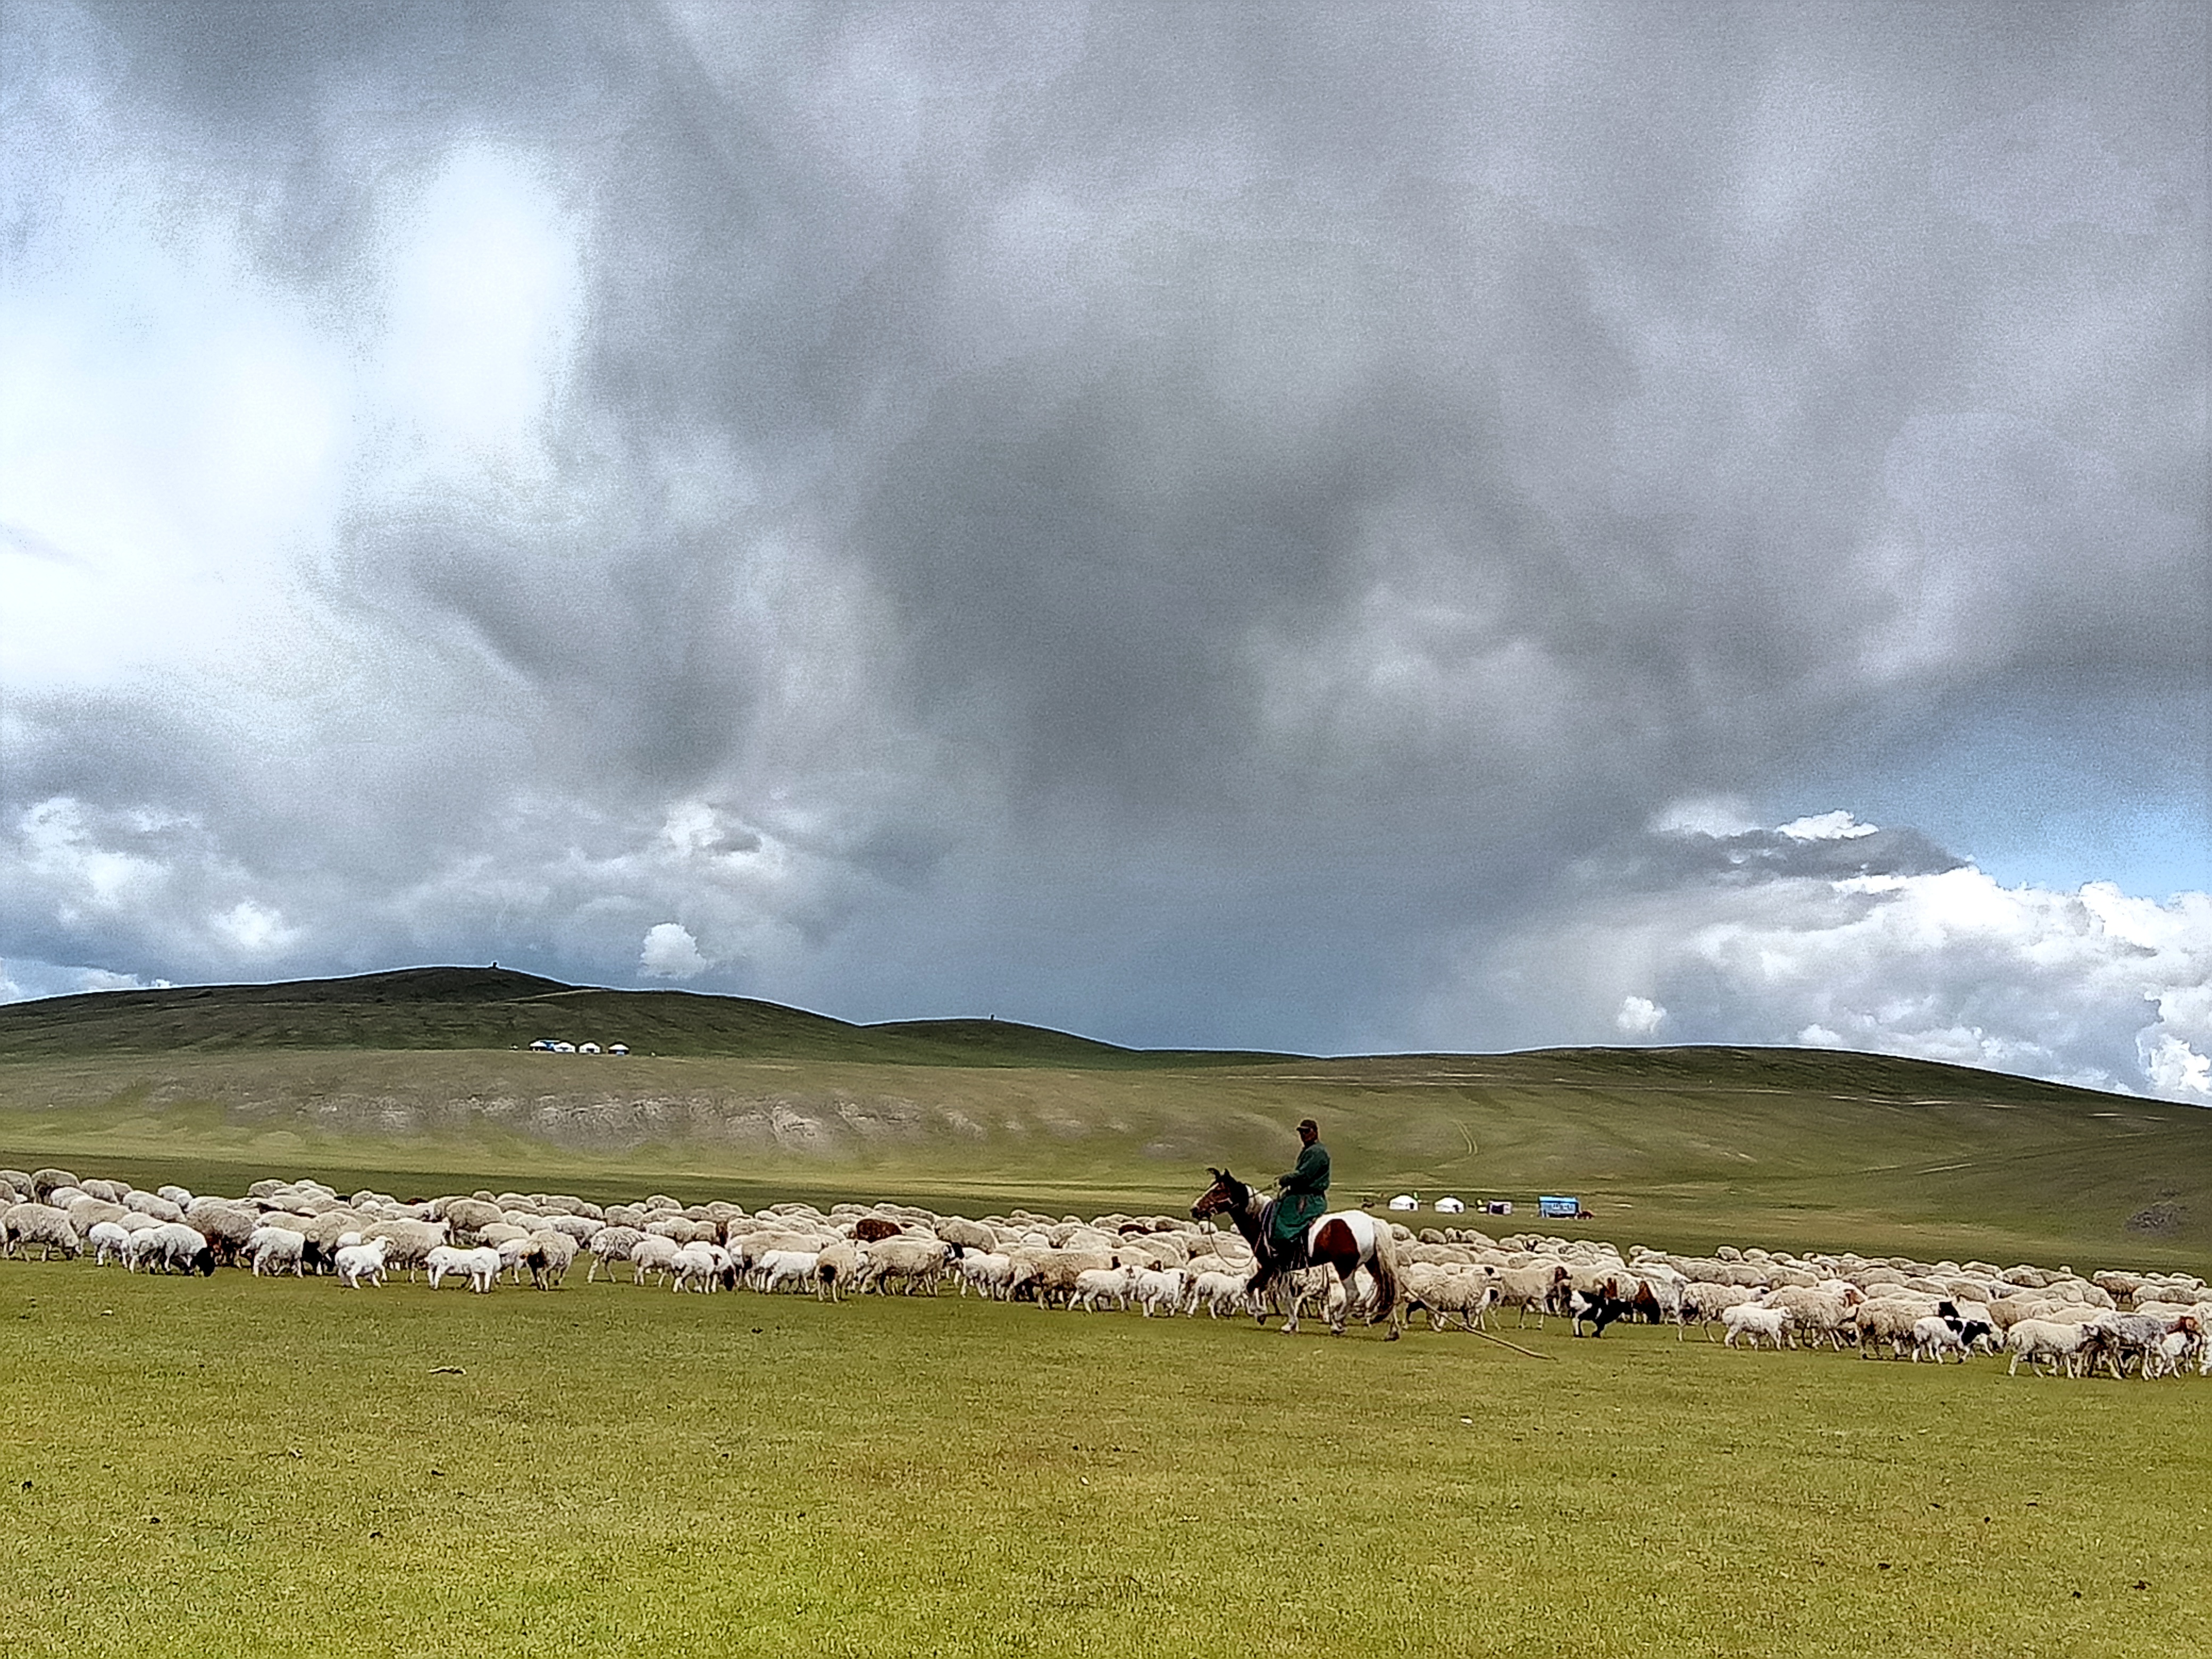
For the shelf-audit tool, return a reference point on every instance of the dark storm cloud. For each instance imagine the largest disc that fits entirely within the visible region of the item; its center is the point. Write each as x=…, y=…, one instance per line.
x=1158, y=518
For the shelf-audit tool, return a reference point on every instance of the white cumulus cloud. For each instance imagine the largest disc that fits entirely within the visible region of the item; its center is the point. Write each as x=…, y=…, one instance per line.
x=671, y=952
x=1741, y=944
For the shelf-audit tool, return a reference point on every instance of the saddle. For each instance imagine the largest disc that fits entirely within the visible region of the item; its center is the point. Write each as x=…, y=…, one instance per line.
x=1290, y=1251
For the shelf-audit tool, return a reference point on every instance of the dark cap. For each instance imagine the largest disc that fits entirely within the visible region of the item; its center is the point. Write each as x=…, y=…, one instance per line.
x=1305, y=1124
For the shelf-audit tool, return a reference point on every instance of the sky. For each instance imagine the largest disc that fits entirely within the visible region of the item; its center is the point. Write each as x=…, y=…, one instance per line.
x=1325, y=527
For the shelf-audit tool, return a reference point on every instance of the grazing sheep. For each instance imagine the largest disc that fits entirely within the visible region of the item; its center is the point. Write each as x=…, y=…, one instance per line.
x=174, y=1247
x=358, y=1264
x=25, y=1224
x=109, y=1241
x=226, y=1225
x=653, y=1255
x=1892, y=1318
x=152, y=1204
x=779, y=1269
x=1822, y=1316
x=44, y=1182
x=700, y=1265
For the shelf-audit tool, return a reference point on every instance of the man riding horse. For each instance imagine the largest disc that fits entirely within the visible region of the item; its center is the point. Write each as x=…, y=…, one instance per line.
x=1304, y=1199
x=1294, y=1231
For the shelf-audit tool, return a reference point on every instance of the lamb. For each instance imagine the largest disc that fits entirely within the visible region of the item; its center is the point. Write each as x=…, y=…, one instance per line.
x=1936, y=1335
x=1220, y=1293
x=109, y=1241
x=1755, y=1320
x=700, y=1265
x=25, y=1224
x=1094, y=1284
x=1159, y=1289
x=479, y=1265
x=360, y=1263
x=407, y=1243
x=1051, y=1273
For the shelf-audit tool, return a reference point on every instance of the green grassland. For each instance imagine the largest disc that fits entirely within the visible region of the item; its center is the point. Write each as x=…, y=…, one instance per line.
x=421, y=1082
x=242, y=1467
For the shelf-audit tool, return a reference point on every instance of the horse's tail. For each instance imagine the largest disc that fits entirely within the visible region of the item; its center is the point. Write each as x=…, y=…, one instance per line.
x=1388, y=1294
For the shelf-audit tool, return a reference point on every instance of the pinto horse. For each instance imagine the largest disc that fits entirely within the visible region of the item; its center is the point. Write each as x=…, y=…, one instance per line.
x=1343, y=1240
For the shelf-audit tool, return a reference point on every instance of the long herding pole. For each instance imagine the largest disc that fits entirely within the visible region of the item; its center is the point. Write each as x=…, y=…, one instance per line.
x=1515, y=1346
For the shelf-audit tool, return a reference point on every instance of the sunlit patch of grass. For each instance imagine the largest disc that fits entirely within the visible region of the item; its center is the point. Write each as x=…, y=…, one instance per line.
x=621, y=1470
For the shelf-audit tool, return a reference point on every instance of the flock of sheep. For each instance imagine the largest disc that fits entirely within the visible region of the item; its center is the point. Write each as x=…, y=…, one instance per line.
x=2147, y=1324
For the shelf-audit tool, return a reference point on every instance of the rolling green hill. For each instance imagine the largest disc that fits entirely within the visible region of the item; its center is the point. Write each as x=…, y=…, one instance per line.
x=423, y=1080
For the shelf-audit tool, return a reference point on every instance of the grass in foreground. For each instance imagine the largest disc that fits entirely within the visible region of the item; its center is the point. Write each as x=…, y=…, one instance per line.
x=249, y=1467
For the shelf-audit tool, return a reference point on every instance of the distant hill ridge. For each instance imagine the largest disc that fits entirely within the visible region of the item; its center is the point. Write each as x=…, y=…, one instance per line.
x=478, y=1008
x=453, y=1007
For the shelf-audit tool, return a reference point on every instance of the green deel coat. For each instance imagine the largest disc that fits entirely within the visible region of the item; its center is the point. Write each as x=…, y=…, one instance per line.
x=1302, y=1201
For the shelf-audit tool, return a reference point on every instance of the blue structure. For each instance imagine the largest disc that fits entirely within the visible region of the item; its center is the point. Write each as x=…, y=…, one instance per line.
x=1559, y=1209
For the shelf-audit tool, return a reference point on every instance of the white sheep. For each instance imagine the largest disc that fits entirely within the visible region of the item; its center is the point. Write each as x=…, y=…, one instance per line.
x=1158, y=1290
x=991, y=1273
x=1222, y=1293
x=2038, y=1340
x=781, y=1269
x=272, y=1249
x=697, y=1266
x=1750, y=1319
x=358, y=1264
x=25, y=1224
x=109, y=1241
x=836, y=1266
x=1095, y=1285
x=608, y=1246
x=652, y=1254
x=906, y=1261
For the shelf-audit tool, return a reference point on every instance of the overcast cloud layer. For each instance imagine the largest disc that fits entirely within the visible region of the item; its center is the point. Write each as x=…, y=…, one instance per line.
x=1312, y=527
